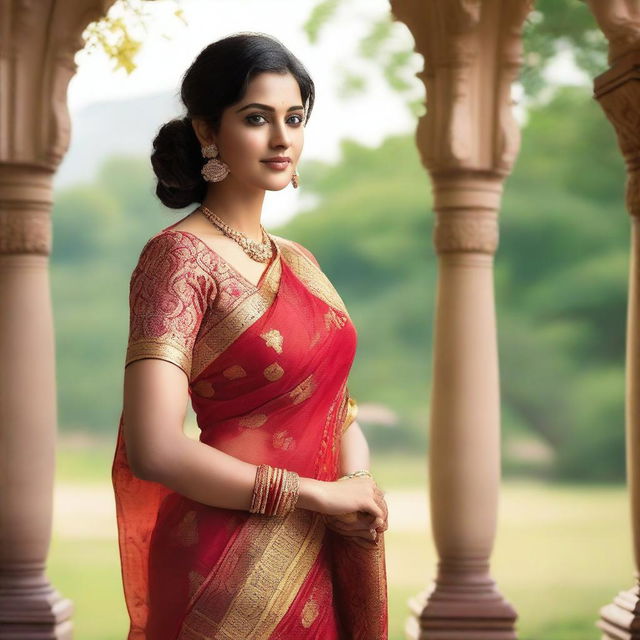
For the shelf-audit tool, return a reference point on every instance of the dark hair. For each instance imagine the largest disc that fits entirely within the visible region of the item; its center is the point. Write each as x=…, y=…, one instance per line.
x=217, y=78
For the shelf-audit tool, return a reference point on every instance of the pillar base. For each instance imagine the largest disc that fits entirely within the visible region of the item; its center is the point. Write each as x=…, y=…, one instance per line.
x=37, y=615
x=620, y=620
x=441, y=615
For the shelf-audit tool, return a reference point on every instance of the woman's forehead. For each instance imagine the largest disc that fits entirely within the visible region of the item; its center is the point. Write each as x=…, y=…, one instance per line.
x=275, y=89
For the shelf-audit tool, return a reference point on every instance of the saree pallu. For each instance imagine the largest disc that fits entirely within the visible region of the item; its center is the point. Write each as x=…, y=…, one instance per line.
x=268, y=366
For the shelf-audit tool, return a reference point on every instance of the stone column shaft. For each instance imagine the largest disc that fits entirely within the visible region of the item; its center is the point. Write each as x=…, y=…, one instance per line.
x=468, y=141
x=618, y=92
x=38, y=42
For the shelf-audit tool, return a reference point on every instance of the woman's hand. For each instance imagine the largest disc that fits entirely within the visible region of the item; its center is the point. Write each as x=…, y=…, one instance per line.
x=355, y=507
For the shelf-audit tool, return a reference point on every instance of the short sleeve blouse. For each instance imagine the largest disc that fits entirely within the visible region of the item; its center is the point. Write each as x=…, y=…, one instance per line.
x=169, y=293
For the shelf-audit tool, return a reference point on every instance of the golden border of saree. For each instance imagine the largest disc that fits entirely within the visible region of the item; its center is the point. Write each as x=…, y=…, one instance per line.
x=250, y=309
x=259, y=576
x=310, y=274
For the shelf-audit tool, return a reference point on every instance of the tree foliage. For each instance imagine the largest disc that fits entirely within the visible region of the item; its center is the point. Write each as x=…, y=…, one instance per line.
x=119, y=33
x=560, y=272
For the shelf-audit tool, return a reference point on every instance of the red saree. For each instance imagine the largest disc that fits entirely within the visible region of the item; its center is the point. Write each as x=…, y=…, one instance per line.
x=268, y=367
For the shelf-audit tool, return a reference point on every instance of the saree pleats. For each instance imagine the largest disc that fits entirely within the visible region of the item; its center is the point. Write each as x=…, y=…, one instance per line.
x=253, y=587
x=268, y=368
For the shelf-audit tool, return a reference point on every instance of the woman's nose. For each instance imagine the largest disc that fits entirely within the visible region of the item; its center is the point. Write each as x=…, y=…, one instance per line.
x=280, y=136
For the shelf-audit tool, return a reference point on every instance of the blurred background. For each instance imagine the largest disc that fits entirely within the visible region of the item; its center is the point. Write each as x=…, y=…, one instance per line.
x=364, y=209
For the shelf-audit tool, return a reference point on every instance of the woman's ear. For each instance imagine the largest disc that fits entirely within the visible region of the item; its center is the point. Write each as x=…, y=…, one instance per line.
x=202, y=131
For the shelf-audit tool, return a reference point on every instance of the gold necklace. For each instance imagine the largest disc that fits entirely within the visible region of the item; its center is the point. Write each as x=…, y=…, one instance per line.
x=260, y=251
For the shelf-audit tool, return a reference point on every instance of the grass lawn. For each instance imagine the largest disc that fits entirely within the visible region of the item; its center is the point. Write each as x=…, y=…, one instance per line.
x=561, y=552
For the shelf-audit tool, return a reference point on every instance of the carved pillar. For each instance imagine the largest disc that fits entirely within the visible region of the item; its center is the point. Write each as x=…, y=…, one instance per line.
x=618, y=92
x=37, y=43
x=468, y=141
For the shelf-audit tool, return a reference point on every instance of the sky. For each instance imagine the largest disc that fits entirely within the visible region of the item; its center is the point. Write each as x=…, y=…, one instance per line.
x=170, y=46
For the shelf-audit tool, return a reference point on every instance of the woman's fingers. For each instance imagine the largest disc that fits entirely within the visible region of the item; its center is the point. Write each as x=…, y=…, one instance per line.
x=366, y=534
x=351, y=521
x=381, y=502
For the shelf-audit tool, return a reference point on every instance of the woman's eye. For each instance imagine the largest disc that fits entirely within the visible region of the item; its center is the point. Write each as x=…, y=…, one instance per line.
x=255, y=115
x=258, y=115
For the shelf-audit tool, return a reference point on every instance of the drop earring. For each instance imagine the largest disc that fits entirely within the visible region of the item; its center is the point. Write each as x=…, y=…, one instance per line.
x=215, y=170
x=294, y=178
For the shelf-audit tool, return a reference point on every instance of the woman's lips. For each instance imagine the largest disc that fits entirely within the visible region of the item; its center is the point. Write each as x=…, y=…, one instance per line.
x=276, y=165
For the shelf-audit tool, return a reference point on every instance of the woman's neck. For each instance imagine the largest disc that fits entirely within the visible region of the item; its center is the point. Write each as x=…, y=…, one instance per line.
x=238, y=207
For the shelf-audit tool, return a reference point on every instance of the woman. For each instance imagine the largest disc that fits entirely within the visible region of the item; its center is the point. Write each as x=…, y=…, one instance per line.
x=270, y=526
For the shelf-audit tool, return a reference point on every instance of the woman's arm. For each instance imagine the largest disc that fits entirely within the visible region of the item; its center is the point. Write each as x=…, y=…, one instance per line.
x=155, y=401
x=354, y=450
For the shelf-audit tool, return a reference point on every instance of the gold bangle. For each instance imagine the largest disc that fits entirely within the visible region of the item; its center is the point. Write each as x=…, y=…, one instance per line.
x=286, y=495
x=277, y=490
x=279, y=496
x=290, y=493
x=294, y=493
x=267, y=488
x=258, y=487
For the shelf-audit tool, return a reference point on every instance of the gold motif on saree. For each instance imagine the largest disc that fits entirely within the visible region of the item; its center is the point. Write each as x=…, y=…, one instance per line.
x=303, y=391
x=273, y=372
x=253, y=420
x=234, y=372
x=204, y=388
x=186, y=533
x=281, y=440
x=273, y=339
x=309, y=612
x=331, y=318
x=314, y=340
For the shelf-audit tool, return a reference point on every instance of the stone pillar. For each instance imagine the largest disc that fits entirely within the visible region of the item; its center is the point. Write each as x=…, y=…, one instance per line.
x=468, y=141
x=618, y=92
x=37, y=44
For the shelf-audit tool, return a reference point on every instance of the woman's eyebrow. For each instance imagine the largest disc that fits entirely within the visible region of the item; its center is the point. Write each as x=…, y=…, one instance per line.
x=266, y=107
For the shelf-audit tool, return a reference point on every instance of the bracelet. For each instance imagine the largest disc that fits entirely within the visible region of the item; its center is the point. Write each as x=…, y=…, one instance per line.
x=275, y=491
x=357, y=474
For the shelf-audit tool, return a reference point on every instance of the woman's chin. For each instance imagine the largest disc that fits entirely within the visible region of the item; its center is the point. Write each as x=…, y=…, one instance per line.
x=277, y=185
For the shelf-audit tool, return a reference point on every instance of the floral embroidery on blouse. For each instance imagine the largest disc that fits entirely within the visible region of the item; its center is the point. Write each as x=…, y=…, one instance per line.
x=169, y=294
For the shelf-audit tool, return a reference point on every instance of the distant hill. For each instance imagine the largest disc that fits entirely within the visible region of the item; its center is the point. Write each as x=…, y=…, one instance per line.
x=113, y=127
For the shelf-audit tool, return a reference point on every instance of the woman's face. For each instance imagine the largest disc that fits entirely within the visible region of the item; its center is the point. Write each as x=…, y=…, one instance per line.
x=249, y=135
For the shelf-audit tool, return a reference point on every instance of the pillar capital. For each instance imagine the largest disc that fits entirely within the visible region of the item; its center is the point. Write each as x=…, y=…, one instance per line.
x=472, y=53
x=37, y=47
x=619, y=20
x=618, y=92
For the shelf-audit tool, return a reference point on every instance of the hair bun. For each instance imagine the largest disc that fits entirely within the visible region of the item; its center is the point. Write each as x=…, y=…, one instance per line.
x=177, y=162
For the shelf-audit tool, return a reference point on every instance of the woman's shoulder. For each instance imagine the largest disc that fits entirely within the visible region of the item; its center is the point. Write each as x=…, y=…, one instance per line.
x=295, y=246
x=172, y=255
x=168, y=240
x=178, y=248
